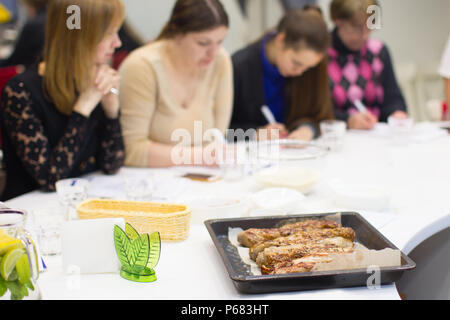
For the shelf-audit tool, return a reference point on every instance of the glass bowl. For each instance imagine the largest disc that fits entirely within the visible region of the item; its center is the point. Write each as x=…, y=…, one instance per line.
x=289, y=164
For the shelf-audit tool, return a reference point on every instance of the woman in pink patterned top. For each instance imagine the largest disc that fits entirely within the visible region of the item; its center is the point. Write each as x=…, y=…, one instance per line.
x=360, y=69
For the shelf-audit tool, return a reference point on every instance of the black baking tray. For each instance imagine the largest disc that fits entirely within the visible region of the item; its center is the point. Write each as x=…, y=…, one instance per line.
x=245, y=282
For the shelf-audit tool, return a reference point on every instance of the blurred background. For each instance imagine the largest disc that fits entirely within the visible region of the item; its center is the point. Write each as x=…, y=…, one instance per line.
x=416, y=32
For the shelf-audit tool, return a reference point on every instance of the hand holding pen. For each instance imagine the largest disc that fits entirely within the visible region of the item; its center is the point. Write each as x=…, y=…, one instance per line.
x=363, y=120
x=273, y=130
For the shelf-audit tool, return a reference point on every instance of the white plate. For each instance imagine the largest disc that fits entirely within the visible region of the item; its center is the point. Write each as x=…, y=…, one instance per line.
x=360, y=196
x=298, y=178
x=281, y=200
x=217, y=208
x=290, y=150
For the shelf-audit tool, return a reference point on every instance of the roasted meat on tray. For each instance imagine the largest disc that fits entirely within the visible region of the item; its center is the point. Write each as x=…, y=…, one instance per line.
x=303, y=237
x=297, y=247
x=251, y=237
x=273, y=255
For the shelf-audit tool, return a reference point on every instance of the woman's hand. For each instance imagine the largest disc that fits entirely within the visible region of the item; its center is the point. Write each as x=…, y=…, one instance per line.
x=400, y=115
x=272, y=132
x=105, y=78
x=362, y=121
x=304, y=133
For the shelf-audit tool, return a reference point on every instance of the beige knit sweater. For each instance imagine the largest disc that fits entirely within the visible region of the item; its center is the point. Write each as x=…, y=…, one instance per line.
x=150, y=113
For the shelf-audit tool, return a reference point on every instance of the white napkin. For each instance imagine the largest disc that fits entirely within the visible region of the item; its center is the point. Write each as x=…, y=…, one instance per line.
x=88, y=246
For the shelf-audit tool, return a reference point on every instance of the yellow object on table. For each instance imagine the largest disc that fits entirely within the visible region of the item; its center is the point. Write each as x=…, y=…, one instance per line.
x=172, y=221
x=5, y=15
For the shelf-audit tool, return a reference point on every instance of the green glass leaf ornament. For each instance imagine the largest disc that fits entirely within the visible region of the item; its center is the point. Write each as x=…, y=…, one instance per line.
x=131, y=232
x=138, y=254
x=123, y=247
x=155, y=250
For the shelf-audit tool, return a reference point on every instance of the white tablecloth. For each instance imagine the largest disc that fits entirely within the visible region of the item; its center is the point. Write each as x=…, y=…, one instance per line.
x=416, y=175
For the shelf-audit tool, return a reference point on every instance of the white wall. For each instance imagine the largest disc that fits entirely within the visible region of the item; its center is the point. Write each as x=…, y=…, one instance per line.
x=148, y=16
x=415, y=30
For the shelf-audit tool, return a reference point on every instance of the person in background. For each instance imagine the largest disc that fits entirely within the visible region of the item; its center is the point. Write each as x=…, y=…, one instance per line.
x=360, y=69
x=130, y=41
x=445, y=73
x=287, y=71
x=59, y=125
x=29, y=46
x=181, y=82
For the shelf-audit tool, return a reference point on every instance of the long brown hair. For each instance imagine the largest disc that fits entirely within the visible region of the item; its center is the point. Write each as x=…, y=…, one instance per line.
x=309, y=94
x=194, y=16
x=69, y=55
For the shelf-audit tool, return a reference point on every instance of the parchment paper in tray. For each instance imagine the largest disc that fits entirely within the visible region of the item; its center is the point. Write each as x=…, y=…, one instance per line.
x=361, y=258
x=244, y=253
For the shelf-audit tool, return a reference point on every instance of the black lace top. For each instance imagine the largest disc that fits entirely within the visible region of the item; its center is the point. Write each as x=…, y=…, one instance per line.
x=42, y=145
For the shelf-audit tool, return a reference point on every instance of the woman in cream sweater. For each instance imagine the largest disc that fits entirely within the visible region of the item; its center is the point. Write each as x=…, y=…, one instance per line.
x=177, y=88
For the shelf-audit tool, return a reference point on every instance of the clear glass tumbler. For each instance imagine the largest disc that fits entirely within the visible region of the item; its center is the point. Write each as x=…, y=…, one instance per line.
x=71, y=192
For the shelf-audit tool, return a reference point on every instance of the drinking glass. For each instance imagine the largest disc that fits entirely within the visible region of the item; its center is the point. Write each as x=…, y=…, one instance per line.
x=47, y=226
x=401, y=129
x=139, y=186
x=71, y=192
x=333, y=134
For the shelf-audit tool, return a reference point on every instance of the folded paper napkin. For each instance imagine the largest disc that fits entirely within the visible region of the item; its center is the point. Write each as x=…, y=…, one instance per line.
x=88, y=246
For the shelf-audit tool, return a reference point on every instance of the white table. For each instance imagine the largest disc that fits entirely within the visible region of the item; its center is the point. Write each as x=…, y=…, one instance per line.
x=417, y=177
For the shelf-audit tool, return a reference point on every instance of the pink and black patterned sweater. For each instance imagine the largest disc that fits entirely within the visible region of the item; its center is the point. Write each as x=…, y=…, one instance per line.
x=366, y=75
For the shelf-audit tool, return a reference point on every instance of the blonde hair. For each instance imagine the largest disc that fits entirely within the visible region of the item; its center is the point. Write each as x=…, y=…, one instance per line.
x=69, y=55
x=350, y=10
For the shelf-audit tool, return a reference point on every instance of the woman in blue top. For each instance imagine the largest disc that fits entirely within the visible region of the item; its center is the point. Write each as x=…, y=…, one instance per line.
x=287, y=71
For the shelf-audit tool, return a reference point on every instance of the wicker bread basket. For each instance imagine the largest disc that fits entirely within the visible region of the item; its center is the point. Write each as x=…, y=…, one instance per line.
x=172, y=221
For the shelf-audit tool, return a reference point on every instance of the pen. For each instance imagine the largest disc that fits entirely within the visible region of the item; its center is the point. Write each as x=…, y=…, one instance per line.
x=268, y=115
x=270, y=118
x=360, y=106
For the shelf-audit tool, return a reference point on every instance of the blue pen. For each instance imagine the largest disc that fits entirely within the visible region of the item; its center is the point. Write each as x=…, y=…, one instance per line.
x=43, y=264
